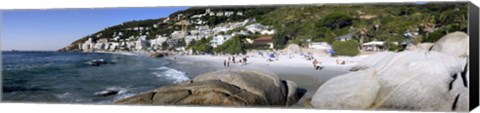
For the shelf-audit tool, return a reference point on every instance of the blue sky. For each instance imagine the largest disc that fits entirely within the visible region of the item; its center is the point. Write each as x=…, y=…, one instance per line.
x=53, y=29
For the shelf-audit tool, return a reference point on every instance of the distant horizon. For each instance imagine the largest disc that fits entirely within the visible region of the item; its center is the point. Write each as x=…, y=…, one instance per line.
x=53, y=29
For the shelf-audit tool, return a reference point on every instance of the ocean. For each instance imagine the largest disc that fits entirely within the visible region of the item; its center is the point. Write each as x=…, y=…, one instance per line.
x=66, y=77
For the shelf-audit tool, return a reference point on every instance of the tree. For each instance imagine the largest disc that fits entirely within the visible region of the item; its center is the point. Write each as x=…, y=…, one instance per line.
x=164, y=45
x=348, y=48
x=362, y=30
x=280, y=40
x=336, y=20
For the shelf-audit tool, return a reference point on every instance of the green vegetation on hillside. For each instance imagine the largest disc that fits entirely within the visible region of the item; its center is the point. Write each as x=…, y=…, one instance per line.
x=386, y=22
x=318, y=23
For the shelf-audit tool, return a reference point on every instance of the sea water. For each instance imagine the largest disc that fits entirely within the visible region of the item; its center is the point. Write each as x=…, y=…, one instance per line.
x=66, y=77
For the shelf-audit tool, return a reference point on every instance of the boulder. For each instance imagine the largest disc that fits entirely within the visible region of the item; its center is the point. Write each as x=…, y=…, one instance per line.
x=266, y=85
x=212, y=92
x=408, y=80
x=421, y=46
x=293, y=49
x=355, y=90
x=224, y=88
x=456, y=43
x=294, y=93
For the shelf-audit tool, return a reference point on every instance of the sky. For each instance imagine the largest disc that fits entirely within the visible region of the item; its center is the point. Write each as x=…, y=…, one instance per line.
x=53, y=29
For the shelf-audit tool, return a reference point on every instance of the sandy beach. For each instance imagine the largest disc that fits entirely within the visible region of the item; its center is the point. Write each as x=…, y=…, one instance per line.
x=293, y=67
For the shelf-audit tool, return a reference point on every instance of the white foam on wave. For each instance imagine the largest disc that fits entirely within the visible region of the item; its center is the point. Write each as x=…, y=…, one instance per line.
x=173, y=74
x=119, y=90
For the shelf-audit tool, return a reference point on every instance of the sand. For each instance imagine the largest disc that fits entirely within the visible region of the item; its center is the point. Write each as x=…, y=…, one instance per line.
x=295, y=68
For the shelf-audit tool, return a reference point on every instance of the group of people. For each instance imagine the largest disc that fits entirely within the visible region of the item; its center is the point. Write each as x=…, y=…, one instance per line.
x=226, y=62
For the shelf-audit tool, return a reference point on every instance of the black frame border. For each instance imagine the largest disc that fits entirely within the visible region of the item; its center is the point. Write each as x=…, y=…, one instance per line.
x=473, y=32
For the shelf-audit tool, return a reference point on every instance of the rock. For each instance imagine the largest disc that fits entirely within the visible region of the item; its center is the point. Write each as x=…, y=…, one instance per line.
x=408, y=80
x=355, y=90
x=98, y=62
x=224, y=88
x=158, y=54
x=422, y=46
x=293, y=49
x=262, y=84
x=456, y=43
x=106, y=93
x=212, y=92
x=293, y=92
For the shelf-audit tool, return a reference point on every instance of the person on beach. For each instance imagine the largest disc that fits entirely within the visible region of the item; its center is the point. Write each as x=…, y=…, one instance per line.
x=225, y=63
x=233, y=59
x=245, y=60
x=341, y=62
x=316, y=64
x=228, y=63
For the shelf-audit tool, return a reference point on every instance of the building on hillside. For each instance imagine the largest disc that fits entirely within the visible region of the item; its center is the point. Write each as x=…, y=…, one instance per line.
x=141, y=43
x=267, y=32
x=219, y=40
x=156, y=44
x=320, y=45
x=253, y=28
x=346, y=37
x=374, y=46
x=266, y=39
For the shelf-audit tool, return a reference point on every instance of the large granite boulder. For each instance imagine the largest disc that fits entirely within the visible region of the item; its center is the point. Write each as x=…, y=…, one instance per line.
x=355, y=90
x=224, y=88
x=421, y=46
x=456, y=43
x=259, y=83
x=409, y=80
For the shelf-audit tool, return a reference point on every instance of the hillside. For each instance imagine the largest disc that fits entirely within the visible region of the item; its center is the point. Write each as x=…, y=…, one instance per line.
x=296, y=23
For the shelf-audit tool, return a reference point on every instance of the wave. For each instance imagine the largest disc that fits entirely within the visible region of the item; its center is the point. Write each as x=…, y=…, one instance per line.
x=173, y=74
x=111, y=91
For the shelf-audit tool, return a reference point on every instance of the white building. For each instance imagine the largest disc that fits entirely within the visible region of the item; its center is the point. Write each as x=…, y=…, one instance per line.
x=267, y=32
x=374, y=46
x=88, y=45
x=219, y=40
x=228, y=13
x=141, y=43
x=114, y=46
x=257, y=27
x=156, y=44
x=320, y=45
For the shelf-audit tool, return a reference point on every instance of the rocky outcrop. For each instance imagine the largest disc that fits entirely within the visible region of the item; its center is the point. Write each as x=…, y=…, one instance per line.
x=158, y=54
x=421, y=46
x=409, y=80
x=456, y=43
x=224, y=88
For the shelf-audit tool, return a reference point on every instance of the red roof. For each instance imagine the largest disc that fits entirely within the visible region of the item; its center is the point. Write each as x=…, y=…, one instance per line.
x=263, y=40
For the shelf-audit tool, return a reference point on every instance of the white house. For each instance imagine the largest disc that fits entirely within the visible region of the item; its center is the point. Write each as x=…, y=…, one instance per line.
x=257, y=27
x=228, y=13
x=219, y=40
x=374, y=46
x=156, y=44
x=319, y=45
x=141, y=43
x=240, y=13
x=267, y=32
x=219, y=13
x=114, y=46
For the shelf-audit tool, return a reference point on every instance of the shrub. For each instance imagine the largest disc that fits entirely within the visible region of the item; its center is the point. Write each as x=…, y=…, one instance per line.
x=347, y=48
